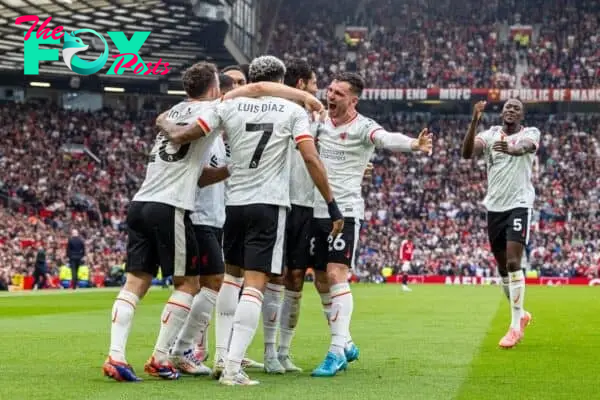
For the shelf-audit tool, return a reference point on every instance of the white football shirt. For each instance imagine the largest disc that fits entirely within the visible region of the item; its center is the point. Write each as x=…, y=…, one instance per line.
x=210, y=200
x=259, y=132
x=345, y=151
x=173, y=170
x=302, y=187
x=509, y=182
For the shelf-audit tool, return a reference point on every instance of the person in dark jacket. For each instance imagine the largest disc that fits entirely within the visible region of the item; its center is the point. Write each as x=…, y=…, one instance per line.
x=40, y=270
x=75, y=254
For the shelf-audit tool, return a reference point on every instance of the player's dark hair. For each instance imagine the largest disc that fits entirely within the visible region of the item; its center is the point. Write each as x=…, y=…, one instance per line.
x=356, y=82
x=232, y=68
x=296, y=70
x=225, y=83
x=243, y=68
x=266, y=69
x=199, y=78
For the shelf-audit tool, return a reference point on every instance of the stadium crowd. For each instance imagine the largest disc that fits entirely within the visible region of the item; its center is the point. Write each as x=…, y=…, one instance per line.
x=63, y=170
x=449, y=43
x=49, y=185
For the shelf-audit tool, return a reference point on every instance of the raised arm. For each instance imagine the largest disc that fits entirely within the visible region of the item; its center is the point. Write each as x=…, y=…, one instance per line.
x=276, y=90
x=473, y=148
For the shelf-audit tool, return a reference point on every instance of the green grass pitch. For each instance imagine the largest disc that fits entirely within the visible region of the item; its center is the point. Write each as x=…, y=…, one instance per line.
x=438, y=342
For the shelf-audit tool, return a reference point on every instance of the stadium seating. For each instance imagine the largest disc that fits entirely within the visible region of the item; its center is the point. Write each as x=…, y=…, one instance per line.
x=447, y=44
x=49, y=184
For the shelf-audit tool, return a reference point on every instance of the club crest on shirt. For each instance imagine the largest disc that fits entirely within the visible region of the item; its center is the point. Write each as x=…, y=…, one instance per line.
x=344, y=135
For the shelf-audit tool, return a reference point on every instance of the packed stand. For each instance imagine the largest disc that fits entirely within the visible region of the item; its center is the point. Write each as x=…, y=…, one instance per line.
x=414, y=44
x=309, y=32
x=566, y=53
x=48, y=187
x=450, y=43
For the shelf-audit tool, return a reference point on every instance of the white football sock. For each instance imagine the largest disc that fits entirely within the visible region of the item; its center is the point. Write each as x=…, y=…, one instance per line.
x=516, y=287
x=227, y=302
x=122, y=318
x=271, y=310
x=342, y=304
x=197, y=321
x=201, y=340
x=326, y=304
x=172, y=319
x=245, y=323
x=505, y=282
x=290, y=311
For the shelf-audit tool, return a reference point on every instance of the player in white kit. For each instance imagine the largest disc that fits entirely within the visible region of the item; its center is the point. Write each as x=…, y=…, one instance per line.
x=509, y=152
x=160, y=230
x=299, y=239
x=258, y=132
x=190, y=349
x=346, y=142
x=298, y=230
x=228, y=296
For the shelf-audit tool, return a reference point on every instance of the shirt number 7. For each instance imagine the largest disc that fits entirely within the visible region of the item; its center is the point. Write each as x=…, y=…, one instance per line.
x=267, y=130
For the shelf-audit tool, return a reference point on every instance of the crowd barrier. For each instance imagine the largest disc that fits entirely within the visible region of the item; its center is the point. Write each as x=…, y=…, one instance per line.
x=27, y=281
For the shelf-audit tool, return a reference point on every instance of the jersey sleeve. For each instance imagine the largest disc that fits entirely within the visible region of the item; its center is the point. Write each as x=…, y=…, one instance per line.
x=532, y=135
x=484, y=138
x=301, y=126
x=210, y=119
x=368, y=130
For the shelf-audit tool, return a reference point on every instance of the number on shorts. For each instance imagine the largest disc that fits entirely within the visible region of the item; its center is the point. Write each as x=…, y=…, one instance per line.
x=337, y=244
x=311, y=251
x=267, y=130
x=517, y=224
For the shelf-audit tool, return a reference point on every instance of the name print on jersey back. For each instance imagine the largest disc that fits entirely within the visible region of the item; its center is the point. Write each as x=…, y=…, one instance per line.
x=261, y=108
x=259, y=132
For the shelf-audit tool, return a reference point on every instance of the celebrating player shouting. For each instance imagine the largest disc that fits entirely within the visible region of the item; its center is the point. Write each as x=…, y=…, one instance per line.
x=346, y=143
x=509, y=152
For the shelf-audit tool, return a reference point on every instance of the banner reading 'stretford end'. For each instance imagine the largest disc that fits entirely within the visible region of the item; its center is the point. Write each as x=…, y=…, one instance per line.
x=128, y=56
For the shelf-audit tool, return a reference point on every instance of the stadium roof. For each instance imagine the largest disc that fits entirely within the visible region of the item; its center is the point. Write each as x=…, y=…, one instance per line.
x=178, y=36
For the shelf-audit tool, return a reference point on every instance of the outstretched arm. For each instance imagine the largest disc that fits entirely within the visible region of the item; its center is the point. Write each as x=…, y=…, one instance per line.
x=474, y=148
x=401, y=142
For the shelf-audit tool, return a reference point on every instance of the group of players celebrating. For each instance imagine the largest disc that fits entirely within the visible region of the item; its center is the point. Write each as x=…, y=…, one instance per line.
x=249, y=185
